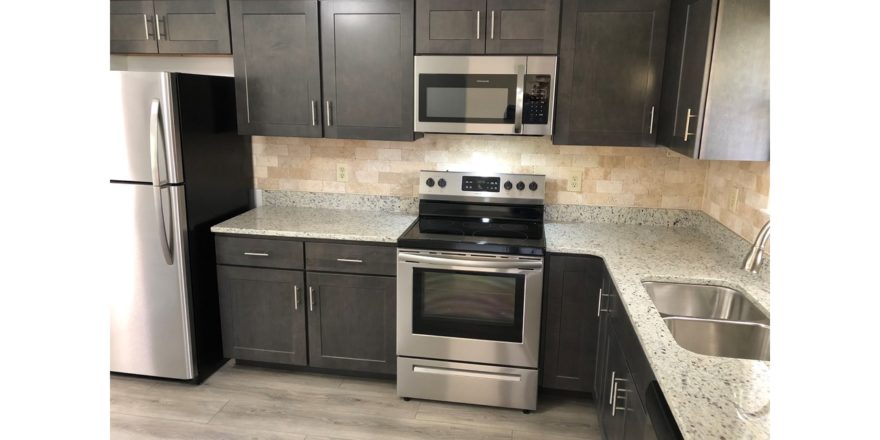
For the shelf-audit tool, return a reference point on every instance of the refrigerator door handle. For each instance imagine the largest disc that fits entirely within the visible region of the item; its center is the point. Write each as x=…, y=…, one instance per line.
x=158, y=206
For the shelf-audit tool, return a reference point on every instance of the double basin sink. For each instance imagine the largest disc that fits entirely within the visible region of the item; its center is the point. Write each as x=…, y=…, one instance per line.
x=712, y=320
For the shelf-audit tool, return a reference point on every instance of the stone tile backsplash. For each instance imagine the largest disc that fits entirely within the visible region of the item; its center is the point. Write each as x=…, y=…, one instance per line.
x=642, y=177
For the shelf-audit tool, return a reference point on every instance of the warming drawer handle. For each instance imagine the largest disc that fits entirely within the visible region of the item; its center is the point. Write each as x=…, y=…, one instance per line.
x=467, y=373
x=470, y=263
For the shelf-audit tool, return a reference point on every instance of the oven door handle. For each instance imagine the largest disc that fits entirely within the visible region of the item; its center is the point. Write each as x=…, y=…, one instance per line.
x=403, y=256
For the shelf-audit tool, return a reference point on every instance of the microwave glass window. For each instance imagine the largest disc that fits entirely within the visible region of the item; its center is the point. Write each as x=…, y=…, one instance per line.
x=467, y=103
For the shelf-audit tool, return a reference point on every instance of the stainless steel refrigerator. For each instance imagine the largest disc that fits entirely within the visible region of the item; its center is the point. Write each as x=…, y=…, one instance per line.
x=177, y=166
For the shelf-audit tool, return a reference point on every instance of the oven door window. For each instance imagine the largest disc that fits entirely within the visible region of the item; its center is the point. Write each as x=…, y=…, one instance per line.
x=474, y=305
x=484, y=99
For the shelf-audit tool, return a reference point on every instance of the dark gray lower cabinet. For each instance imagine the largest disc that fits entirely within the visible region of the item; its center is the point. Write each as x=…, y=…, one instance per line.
x=263, y=314
x=625, y=384
x=277, y=67
x=367, y=56
x=282, y=315
x=610, y=63
x=132, y=28
x=352, y=322
x=573, y=286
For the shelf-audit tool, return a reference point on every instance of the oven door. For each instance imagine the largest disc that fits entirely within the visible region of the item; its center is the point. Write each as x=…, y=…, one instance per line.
x=469, y=307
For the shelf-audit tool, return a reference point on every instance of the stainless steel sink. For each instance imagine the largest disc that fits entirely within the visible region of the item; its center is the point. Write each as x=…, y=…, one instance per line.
x=703, y=301
x=712, y=320
x=715, y=337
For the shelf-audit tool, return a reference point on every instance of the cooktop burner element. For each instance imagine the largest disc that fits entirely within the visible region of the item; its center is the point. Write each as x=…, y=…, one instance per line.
x=476, y=212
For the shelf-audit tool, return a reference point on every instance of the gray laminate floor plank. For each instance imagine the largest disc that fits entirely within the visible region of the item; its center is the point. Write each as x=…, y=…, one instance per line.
x=251, y=402
x=555, y=416
x=279, y=417
x=126, y=427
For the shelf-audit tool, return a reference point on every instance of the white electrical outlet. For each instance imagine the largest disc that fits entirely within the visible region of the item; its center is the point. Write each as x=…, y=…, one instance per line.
x=733, y=199
x=341, y=172
x=575, y=181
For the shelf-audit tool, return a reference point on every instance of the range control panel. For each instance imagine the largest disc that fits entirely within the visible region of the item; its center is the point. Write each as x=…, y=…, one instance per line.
x=489, y=186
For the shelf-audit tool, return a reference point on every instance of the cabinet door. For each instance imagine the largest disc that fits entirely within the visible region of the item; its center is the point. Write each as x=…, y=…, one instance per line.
x=262, y=314
x=610, y=64
x=570, y=333
x=612, y=415
x=691, y=26
x=352, y=322
x=277, y=69
x=451, y=26
x=193, y=26
x=522, y=26
x=367, y=55
x=132, y=27
x=602, y=310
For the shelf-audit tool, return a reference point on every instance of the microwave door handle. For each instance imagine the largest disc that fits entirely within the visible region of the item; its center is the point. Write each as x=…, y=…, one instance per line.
x=520, y=90
x=470, y=263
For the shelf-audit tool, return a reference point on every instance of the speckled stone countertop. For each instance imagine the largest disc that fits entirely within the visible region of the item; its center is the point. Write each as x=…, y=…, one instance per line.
x=333, y=224
x=702, y=391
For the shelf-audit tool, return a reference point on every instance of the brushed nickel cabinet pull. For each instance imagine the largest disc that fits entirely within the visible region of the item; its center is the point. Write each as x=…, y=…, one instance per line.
x=158, y=29
x=492, y=26
x=478, y=25
x=687, y=125
x=651, y=124
x=257, y=254
x=146, y=28
x=329, y=115
x=349, y=260
x=312, y=108
x=311, y=299
x=295, y=297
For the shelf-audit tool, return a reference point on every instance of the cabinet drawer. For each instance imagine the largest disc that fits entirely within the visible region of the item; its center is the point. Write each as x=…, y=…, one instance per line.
x=351, y=258
x=259, y=252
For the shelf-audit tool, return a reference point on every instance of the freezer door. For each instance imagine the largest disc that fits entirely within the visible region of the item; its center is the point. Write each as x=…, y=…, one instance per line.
x=133, y=118
x=150, y=331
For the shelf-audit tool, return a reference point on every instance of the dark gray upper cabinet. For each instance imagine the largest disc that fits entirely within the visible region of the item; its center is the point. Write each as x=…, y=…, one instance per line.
x=132, y=28
x=262, y=313
x=169, y=27
x=610, y=63
x=522, y=26
x=451, y=26
x=352, y=322
x=277, y=69
x=193, y=26
x=487, y=26
x=716, y=83
x=573, y=286
x=367, y=56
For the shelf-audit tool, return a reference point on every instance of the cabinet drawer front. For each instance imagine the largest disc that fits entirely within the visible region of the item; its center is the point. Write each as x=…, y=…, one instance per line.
x=351, y=258
x=259, y=252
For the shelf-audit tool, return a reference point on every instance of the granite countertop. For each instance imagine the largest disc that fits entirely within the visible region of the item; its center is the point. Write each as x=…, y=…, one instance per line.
x=701, y=390
x=332, y=224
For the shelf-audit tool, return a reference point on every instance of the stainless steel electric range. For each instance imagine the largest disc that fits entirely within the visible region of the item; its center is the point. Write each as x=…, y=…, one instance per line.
x=469, y=284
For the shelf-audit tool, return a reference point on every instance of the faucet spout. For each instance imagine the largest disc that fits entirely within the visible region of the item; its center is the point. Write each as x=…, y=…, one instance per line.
x=752, y=262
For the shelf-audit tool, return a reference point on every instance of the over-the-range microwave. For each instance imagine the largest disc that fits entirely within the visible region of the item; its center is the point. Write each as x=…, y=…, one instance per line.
x=485, y=94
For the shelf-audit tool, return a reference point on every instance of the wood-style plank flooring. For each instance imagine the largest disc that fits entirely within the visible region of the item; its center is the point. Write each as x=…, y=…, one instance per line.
x=246, y=402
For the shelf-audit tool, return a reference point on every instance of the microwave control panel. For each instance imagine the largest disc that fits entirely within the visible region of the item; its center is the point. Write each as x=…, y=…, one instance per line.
x=536, y=99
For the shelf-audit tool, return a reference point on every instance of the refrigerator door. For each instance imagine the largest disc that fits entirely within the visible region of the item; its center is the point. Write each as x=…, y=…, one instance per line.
x=134, y=119
x=150, y=330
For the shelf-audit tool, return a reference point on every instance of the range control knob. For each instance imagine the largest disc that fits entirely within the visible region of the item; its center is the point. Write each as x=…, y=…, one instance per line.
x=441, y=183
x=508, y=186
x=430, y=182
x=533, y=186
x=520, y=186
